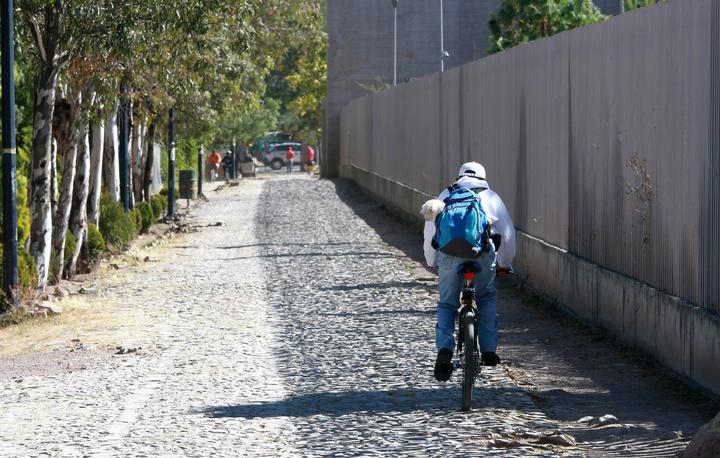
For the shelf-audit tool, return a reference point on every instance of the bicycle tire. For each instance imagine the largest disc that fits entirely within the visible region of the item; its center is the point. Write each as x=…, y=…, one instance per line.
x=469, y=360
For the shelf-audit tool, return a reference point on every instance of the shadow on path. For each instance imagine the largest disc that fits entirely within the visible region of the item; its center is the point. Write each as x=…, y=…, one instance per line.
x=335, y=404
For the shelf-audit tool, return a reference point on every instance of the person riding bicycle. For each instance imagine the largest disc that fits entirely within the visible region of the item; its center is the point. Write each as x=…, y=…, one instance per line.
x=502, y=232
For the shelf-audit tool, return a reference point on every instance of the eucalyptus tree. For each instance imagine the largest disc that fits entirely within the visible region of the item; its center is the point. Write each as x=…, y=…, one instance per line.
x=54, y=31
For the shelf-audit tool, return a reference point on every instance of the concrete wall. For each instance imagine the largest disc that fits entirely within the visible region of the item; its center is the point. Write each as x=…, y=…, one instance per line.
x=604, y=143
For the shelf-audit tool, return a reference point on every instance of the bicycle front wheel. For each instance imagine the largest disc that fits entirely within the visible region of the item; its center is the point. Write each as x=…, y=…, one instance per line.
x=469, y=360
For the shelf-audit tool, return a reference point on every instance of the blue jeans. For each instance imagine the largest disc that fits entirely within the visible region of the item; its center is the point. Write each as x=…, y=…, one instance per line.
x=450, y=286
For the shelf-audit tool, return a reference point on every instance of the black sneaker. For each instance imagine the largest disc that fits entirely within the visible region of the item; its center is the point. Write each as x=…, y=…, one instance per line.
x=443, y=365
x=490, y=358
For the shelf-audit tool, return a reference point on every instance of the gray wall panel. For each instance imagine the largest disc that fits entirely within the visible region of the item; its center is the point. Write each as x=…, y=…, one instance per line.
x=604, y=141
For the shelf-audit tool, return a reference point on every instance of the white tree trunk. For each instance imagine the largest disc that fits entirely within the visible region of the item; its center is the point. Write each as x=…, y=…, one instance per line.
x=138, y=133
x=111, y=164
x=41, y=198
x=130, y=168
x=96, y=162
x=54, y=188
x=156, y=183
x=78, y=216
x=67, y=136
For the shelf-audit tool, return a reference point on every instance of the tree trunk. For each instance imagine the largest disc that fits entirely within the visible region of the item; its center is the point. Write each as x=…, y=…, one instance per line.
x=96, y=161
x=130, y=168
x=54, y=188
x=149, y=159
x=137, y=157
x=66, y=114
x=41, y=202
x=78, y=215
x=111, y=165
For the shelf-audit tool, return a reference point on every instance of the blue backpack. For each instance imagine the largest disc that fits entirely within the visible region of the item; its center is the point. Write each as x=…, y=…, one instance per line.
x=462, y=228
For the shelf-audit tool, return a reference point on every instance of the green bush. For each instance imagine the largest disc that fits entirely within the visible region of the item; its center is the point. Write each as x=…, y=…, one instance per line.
x=96, y=242
x=118, y=228
x=27, y=272
x=147, y=218
x=138, y=220
x=164, y=202
x=157, y=206
x=70, y=245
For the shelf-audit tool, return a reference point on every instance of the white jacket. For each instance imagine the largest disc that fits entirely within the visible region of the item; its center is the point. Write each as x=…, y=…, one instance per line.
x=496, y=213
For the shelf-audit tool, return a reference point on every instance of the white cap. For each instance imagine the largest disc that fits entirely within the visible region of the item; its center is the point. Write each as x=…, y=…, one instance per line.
x=472, y=169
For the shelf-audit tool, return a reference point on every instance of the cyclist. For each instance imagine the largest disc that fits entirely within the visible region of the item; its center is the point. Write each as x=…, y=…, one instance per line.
x=471, y=176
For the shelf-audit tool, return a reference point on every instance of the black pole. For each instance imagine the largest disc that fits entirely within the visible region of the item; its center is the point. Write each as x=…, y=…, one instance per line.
x=171, y=164
x=200, y=171
x=9, y=189
x=124, y=156
x=235, y=160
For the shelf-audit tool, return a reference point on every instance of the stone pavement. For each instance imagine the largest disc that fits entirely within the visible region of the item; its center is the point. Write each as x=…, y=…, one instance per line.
x=296, y=329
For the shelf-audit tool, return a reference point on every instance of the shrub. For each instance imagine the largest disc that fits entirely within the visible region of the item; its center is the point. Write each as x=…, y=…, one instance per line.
x=96, y=242
x=164, y=202
x=117, y=227
x=157, y=206
x=138, y=220
x=70, y=245
x=27, y=272
x=147, y=218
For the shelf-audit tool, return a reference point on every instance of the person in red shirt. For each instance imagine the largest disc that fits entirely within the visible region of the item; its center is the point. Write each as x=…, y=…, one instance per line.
x=213, y=161
x=310, y=156
x=289, y=156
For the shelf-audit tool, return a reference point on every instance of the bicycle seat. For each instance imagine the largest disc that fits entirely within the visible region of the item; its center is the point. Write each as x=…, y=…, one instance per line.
x=468, y=267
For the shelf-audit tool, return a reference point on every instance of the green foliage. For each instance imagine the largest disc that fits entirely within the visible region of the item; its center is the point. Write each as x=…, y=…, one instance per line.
x=520, y=21
x=117, y=227
x=96, y=242
x=147, y=217
x=298, y=77
x=70, y=246
x=138, y=220
x=632, y=4
x=27, y=273
x=157, y=206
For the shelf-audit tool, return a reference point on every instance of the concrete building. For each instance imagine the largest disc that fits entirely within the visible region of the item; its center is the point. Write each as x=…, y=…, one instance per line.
x=360, y=51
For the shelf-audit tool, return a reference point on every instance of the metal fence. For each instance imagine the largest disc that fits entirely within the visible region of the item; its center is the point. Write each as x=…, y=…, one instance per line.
x=603, y=141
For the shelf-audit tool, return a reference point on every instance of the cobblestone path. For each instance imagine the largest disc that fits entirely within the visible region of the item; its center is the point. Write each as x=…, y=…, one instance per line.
x=296, y=330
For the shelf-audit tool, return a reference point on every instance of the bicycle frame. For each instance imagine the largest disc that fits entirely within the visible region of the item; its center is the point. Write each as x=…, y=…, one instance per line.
x=467, y=299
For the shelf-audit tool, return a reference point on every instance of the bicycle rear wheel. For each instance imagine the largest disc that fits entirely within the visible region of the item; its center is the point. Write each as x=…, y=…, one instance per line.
x=469, y=360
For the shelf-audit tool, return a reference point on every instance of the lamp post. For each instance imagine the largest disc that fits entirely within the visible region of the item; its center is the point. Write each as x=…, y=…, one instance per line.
x=171, y=164
x=200, y=171
x=443, y=53
x=395, y=5
x=10, y=243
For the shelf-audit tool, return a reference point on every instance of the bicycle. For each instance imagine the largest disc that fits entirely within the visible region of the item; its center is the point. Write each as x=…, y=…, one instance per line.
x=468, y=352
x=469, y=360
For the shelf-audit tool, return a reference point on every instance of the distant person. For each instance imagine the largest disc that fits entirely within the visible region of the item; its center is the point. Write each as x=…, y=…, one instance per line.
x=213, y=161
x=310, y=158
x=289, y=157
x=227, y=163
